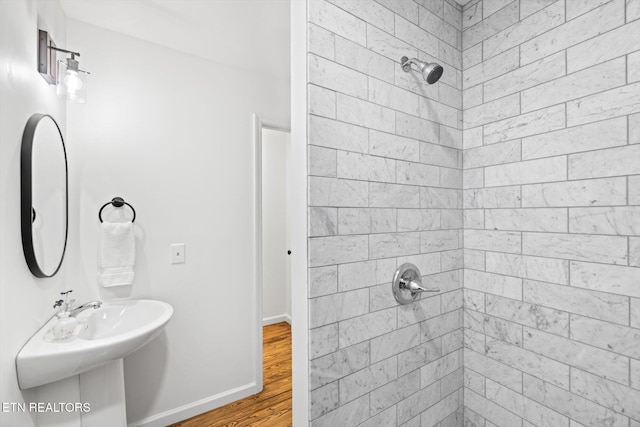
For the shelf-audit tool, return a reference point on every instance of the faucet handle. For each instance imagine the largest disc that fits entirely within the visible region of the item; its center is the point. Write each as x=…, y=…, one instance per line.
x=57, y=303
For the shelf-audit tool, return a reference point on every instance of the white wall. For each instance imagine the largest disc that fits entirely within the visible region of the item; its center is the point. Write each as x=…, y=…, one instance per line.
x=172, y=134
x=276, y=277
x=25, y=301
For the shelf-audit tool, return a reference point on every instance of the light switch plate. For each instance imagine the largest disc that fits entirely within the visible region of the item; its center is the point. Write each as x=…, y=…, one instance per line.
x=177, y=253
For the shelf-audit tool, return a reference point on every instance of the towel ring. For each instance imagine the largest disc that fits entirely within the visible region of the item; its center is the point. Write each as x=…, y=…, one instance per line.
x=117, y=202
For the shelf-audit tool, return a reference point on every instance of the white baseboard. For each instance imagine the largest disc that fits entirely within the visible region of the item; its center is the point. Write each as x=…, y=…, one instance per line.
x=276, y=319
x=198, y=407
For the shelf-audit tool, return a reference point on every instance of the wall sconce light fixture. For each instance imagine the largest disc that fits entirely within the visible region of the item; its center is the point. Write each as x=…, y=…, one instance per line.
x=70, y=81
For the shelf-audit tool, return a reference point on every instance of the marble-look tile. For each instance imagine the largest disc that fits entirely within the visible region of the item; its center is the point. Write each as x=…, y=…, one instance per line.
x=393, y=244
x=440, y=113
x=450, y=96
x=350, y=414
x=444, y=198
x=394, y=342
x=414, y=358
x=489, y=7
x=363, y=274
x=393, y=146
x=363, y=113
x=334, y=366
x=369, y=11
x=322, y=161
x=474, y=300
x=440, y=156
x=417, y=128
x=619, y=339
x=417, y=174
x=322, y=102
x=474, y=259
x=524, y=30
x=418, y=219
x=530, y=7
x=608, y=75
x=323, y=400
x=416, y=36
x=386, y=45
x=323, y=281
x=496, y=284
x=571, y=405
x=542, y=318
x=367, y=326
x=408, y=10
x=499, y=197
x=635, y=374
x=338, y=21
x=441, y=325
x=604, y=163
x=490, y=410
x=474, y=341
x=413, y=82
x=605, y=249
x=353, y=221
x=362, y=382
x=435, y=7
x=529, y=267
x=335, y=307
x=612, y=103
x=323, y=221
x=606, y=393
x=634, y=189
x=323, y=340
x=492, y=111
x=433, y=371
x=634, y=251
x=380, y=298
x=364, y=60
x=527, y=219
x=601, y=220
x=493, y=369
x=364, y=167
x=394, y=195
x=471, y=57
x=491, y=25
x=599, y=305
x=493, y=327
x=592, y=136
x=418, y=402
x=394, y=392
x=330, y=75
x=471, y=14
x=450, y=55
x=524, y=407
x=450, y=137
x=492, y=68
x=321, y=42
x=545, y=120
x=451, y=219
x=441, y=410
x=587, y=26
x=548, y=68
x=333, y=134
x=494, y=154
x=474, y=380
x=591, y=192
x=338, y=249
x=474, y=218
x=579, y=7
x=440, y=240
x=600, y=362
x=419, y=311
x=391, y=96
x=633, y=10
x=450, y=178
x=490, y=240
x=338, y=192
x=428, y=264
x=436, y=25
x=528, y=362
x=472, y=138
x=452, y=15
x=472, y=97
x=633, y=67
x=612, y=44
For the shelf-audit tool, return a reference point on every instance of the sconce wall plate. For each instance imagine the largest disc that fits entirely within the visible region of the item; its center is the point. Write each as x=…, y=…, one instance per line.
x=46, y=57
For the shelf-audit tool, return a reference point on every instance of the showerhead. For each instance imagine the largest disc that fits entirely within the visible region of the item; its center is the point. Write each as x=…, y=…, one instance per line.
x=431, y=72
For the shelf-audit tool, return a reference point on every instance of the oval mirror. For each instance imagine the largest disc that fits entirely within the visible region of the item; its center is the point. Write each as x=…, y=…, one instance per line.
x=44, y=195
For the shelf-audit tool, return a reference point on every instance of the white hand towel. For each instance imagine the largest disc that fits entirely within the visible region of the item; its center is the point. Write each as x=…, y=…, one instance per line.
x=116, y=254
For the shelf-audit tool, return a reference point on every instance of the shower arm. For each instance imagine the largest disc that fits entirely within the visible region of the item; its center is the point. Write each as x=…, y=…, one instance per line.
x=407, y=62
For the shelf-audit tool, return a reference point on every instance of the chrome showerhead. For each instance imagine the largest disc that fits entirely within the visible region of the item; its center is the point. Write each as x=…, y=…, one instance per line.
x=431, y=72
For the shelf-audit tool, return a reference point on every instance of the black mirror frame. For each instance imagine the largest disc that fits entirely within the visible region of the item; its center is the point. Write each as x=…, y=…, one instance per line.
x=26, y=207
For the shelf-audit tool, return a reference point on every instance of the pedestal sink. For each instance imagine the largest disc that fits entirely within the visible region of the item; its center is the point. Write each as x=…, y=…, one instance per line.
x=103, y=335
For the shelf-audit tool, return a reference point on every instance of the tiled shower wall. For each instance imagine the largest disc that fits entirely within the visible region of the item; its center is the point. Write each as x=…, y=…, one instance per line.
x=552, y=212
x=385, y=185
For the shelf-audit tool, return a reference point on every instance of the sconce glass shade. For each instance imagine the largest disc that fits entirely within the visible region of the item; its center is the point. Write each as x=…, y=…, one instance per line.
x=71, y=82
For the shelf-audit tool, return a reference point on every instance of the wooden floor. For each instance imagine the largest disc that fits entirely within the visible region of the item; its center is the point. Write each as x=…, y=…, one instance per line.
x=272, y=406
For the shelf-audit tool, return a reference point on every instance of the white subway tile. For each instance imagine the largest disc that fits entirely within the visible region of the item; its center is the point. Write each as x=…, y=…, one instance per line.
x=369, y=11
x=450, y=96
x=434, y=24
x=587, y=137
x=491, y=68
x=615, y=43
x=416, y=128
x=363, y=113
x=471, y=14
x=614, y=308
x=609, y=336
x=579, y=247
x=439, y=198
x=490, y=368
x=367, y=326
x=453, y=15
x=450, y=178
x=530, y=7
x=321, y=41
x=323, y=281
x=472, y=138
x=491, y=25
x=334, y=134
x=364, y=274
x=337, y=21
x=591, y=192
x=440, y=156
x=365, y=167
x=439, y=113
x=352, y=413
x=633, y=10
x=362, y=59
x=387, y=45
x=323, y=341
x=393, y=244
x=337, y=249
x=474, y=218
x=579, y=7
x=472, y=97
x=417, y=174
x=634, y=251
x=472, y=56
x=634, y=190
x=332, y=308
x=472, y=178
x=474, y=259
x=603, y=163
x=391, y=96
x=435, y=7
x=615, y=279
x=419, y=311
x=409, y=10
x=442, y=409
x=450, y=137
x=573, y=32
x=394, y=195
x=535, y=316
x=492, y=111
x=449, y=55
x=606, y=393
x=491, y=6
x=634, y=128
x=322, y=161
x=526, y=29
x=393, y=146
x=529, y=267
x=418, y=219
x=393, y=392
x=490, y=410
x=362, y=382
x=612, y=103
x=395, y=342
x=323, y=221
x=491, y=240
x=436, y=241
x=609, y=220
x=548, y=68
x=496, y=284
x=599, y=78
x=527, y=172
x=338, y=192
x=323, y=400
x=536, y=219
x=440, y=325
x=493, y=327
x=499, y=197
x=330, y=75
x=540, y=121
x=416, y=36
x=354, y=221
x=322, y=102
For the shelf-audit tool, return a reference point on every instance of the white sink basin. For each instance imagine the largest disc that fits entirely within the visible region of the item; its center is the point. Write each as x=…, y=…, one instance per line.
x=109, y=333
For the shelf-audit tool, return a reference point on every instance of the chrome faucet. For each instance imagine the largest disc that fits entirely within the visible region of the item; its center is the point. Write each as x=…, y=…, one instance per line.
x=87, y=305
